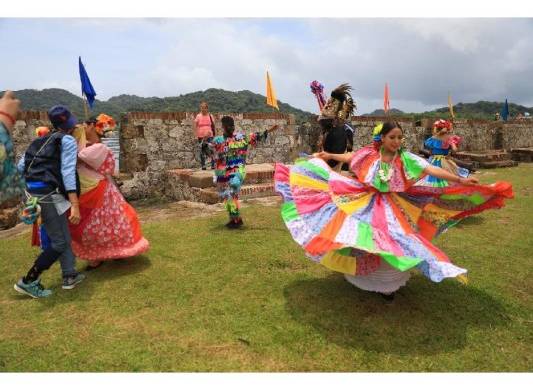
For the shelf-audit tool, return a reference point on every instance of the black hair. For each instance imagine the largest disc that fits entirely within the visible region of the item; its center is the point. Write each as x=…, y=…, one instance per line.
x=91, y=120
x=388, y=126
x=228, y=123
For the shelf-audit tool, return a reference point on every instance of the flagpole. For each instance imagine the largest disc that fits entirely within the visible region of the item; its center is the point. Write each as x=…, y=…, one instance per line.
x=450, y=107
x=386, y=102
x=85, y=107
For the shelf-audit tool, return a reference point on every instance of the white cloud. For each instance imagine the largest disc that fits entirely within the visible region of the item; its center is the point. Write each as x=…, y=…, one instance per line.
x=422, y=59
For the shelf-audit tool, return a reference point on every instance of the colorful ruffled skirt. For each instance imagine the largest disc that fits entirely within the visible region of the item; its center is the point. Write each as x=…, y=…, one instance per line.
x=350, y=227
x=447, y=164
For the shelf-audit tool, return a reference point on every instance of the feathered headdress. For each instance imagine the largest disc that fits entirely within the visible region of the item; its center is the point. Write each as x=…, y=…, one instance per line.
x=340, y=105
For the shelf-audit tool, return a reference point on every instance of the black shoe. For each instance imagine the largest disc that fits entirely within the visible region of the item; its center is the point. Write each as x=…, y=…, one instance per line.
x=71, y=281
x=387, y=297
x=91, y=267
x=203, y=169
x=233, y=225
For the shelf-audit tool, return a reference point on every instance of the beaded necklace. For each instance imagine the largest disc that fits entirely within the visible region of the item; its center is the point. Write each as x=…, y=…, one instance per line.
x=385, y=171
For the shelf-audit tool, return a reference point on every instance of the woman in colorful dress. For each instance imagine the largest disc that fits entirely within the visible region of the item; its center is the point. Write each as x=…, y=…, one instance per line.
x=377, y=226
x=109, y=227
x=439, y=145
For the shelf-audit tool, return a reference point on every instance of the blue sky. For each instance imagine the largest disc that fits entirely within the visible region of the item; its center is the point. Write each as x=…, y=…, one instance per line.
x=422, y=59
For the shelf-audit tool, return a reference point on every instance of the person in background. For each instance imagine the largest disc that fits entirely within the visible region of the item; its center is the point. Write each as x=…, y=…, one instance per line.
x=204, y=129
x=336, y=136
x=441, y=144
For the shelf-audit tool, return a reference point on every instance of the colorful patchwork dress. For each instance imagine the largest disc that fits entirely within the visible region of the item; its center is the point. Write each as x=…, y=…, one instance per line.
x=230, y=161
x=109, y=227
x=373, y=230
x=439, y=158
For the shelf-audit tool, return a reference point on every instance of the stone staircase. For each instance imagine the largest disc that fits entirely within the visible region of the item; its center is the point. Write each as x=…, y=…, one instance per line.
x=198, y=186
x=485, y=159
x=522, y=154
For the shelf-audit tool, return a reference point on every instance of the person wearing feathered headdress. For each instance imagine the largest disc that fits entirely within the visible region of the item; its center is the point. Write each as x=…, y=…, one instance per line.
x=440, y=145
x=109, y=227
x=336, y=137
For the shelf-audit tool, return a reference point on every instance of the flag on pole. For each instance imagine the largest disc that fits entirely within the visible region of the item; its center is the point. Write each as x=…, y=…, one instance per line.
x=386, y=103
x=450, y=105
x=86, y=86
x=271, y=94
x=505, y=111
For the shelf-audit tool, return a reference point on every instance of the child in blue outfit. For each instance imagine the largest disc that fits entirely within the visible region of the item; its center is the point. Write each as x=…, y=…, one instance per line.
x=440, y=145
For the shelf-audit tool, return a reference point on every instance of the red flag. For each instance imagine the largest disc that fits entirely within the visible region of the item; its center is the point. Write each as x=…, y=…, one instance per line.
x=386, y=103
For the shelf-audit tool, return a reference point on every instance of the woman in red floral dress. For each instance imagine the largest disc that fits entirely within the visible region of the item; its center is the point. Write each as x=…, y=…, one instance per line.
x=109, y=227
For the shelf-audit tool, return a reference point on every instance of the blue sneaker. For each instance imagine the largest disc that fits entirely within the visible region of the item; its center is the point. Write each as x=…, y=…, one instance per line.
x=34, y=289
x=71, y=281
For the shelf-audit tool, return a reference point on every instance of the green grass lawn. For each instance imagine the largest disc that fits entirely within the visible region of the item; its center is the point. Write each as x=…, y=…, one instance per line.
x=208, y=299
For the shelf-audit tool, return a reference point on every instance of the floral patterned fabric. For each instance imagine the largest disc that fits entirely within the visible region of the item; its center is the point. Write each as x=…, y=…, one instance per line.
x=109, y=227
x=11, y=182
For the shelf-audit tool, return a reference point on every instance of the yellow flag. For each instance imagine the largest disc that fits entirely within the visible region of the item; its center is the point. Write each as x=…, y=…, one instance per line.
x=271, y=95
x=450, y=105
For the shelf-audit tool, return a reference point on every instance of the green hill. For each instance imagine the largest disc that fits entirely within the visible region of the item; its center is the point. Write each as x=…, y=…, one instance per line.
x=219, y=101
x=381, y=112
x=228, y=101
x=478, y=110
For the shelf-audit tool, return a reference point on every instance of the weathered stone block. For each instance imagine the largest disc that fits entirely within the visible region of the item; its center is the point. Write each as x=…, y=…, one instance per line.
x=134, y=162
x=157, y=165
x=282, y=140
x=9, y=217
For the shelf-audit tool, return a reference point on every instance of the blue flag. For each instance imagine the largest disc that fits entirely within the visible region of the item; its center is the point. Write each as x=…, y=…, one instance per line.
x=86, y=86
x=505, y=111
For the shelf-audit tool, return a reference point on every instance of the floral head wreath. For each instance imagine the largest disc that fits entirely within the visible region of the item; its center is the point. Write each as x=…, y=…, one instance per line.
x=41, y=131
x=104, y=123
x=440, y=125
x=377, y=132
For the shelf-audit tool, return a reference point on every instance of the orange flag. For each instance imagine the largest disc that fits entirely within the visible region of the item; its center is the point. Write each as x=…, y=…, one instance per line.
x=271, y=94
x=386, y=103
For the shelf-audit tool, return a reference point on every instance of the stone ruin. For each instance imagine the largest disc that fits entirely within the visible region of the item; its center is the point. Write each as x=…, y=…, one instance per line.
x=158, y=155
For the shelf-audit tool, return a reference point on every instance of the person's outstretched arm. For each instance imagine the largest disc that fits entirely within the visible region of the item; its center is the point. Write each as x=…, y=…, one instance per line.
x=344, y=157
x=443, y=174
